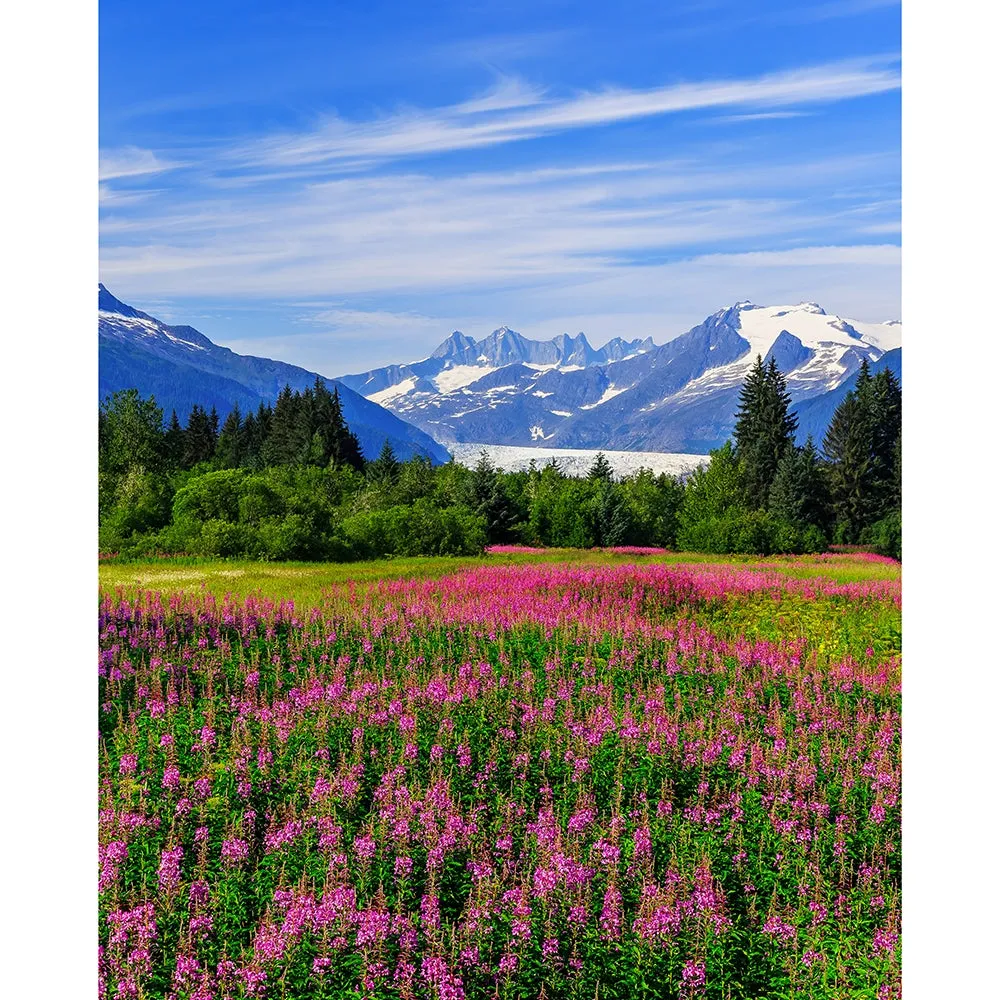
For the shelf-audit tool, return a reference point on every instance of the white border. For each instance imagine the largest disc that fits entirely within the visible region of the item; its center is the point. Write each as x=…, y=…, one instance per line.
x=48, y=82
x=951, y=371
x=48, y=74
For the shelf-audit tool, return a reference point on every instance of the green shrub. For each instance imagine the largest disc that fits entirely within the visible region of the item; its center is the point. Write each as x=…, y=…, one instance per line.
x=886, y=536
x=213, y=496
x=750, y=532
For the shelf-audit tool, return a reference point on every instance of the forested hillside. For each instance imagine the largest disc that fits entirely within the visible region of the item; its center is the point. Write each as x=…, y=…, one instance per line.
x=290, y=482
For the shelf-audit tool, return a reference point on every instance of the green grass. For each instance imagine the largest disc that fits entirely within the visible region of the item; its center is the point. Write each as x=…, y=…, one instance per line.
x=305, y=582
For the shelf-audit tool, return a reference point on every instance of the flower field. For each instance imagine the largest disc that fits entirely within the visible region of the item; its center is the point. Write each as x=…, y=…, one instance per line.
x=594, y=780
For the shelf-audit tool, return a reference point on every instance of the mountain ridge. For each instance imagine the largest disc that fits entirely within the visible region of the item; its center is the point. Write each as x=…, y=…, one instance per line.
x=180, y=366
x=631, y=394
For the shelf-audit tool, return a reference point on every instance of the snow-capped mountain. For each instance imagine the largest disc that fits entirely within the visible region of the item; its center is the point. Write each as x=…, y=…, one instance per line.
x=460, y=361
x=628, y=395
x=180, y=367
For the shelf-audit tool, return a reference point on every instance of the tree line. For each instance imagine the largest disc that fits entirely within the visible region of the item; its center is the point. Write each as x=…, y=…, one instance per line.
x=289, y=481
x=761, y=492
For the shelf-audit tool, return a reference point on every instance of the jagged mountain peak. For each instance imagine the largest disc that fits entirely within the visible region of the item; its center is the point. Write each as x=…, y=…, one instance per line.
x=628, y=394
x=106, y=302
x=456, y=343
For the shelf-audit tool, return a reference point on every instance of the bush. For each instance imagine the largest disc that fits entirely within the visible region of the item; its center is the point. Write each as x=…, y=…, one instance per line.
x=221, y=538
x=415, y=529
x=290, y=537
x=213, y=496
x=886, y=536
x=750, y=532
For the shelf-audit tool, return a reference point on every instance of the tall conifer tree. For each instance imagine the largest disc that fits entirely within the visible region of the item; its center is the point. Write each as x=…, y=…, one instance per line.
x=765, y=429
x=799, y=494
x=199, y=441
x=847, y=447
x=280, y=445
x=385, y=468
x=173, y=443
x=229, y=447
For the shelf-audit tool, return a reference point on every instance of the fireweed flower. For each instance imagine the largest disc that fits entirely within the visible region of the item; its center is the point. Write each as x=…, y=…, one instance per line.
x=611, y=914
x=625, y=750
x=169, y=872
x=693, y=974
x=235, y=850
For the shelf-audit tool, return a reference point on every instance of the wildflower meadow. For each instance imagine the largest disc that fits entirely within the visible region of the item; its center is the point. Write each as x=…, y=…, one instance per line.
x=619, y=779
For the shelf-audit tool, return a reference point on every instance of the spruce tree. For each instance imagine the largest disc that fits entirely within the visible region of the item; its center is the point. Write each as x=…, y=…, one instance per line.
x=199, y=441
x=307, y=451
x=764, y=430
x=610, y=519
x=385, y=468
x=601, y=469
x=862, y=448
x=327, y=423
x=885, y=401
x=799, y=493
x=280, y=444
x=847, y=448
x=173, y=443
x=229, y=447
x=487, y=498
x=250, y=442
x=748, y=416
x=257, y=446
x=346, y=448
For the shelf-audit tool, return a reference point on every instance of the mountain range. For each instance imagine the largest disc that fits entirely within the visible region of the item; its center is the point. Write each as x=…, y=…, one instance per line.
x=632, y=395
x=506, y=389
x=181, y=367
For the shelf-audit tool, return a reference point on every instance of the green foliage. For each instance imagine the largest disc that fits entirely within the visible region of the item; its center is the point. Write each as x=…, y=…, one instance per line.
x=886, y=535
x=601, y=469
x=755, y=532
x=799, y=493
x=486, y=496
x=129, y=433
x=385, y=468
x=862, y=448
x=290, y=483
x=607, y=514
x=418, y=529
x=199, y=438
x=764, y=430
x=713, y=491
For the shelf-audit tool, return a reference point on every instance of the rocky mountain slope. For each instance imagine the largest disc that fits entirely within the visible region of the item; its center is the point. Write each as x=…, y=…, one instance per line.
x=628, y=395
x=180, y=367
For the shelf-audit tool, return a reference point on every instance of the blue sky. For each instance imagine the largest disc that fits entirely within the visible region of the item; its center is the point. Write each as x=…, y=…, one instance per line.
x=340, y=185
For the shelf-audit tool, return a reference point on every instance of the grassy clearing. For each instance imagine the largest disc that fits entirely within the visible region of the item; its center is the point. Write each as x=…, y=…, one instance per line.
x=305, y=582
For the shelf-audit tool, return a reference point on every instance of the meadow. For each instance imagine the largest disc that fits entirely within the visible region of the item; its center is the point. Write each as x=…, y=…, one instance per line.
x=601, y=774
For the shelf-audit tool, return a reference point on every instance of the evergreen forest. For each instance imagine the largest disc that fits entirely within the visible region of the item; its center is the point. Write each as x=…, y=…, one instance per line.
x=289, y=482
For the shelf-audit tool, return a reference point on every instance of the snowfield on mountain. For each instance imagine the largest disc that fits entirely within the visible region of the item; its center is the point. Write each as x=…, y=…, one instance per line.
x=630, y=395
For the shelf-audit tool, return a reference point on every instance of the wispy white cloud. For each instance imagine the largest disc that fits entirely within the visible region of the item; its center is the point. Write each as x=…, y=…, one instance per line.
x=384, y=267
x=131, y=161
x=517, y=112
x=392, y=261
x=755, y=116
x=508, y=92
x=384, y=234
